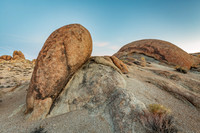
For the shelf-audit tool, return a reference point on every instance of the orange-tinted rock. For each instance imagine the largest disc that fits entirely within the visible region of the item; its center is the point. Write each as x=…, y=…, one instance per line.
x=111, y=61
x=119, y=64
x=33, y=61
x=160, y=50
x=6, y=57
x=18, y=55
x=63, y=53
x=41, y=109
x=196, y=59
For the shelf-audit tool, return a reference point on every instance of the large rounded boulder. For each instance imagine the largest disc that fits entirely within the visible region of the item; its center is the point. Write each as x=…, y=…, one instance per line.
x=63, y=53
x=160, y=50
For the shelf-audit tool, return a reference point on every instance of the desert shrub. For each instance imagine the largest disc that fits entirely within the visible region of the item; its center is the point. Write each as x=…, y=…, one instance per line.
x=39, y=130
x=158, y=109
x=181, y=69
x=157, y=119
x=143, y=61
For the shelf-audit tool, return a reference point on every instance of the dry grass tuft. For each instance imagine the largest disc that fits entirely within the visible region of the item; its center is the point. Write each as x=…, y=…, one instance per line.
x=158, y=120
x=143, y=61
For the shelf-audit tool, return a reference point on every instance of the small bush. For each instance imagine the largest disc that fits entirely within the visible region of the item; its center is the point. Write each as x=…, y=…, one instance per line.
x=158, y=120
x=143, y=62
x=158, y=109
x=39, y=130
x=181, y=69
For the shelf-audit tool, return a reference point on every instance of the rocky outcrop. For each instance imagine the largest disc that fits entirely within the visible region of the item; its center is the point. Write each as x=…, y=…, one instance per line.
x=33, y=61
x=180, y=92
x=196, y=64
x=159, y=50
x=119, y=64
x=101, y=90
x=113, y=62
x=41, y=112
x=6, y=57
x=13, y=74
x=18, y=55
x=63, y=53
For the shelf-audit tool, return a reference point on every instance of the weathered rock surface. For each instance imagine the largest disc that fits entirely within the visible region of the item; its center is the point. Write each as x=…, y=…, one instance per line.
x=6, y=57
x=87, y=109
x=112, y=61
x=63, y=53
x=103, y=95
x=100, y=89
x=13, y=74
x=18, y=55
x=119, y=64
x=196, y=64
x=33, y=61
x=158, y=49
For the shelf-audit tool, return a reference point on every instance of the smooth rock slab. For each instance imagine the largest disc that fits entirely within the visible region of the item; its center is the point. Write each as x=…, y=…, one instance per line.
x=99, y=88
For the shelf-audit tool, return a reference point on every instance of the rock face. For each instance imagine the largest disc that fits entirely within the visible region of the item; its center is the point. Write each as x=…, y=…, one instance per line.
x=6, y=57
x=196, y=64
x=33, y=61
x=112, y=61
x=100, y=89
x=158, y=49
x=13, y=74
x=63, y=53
x=18, y=55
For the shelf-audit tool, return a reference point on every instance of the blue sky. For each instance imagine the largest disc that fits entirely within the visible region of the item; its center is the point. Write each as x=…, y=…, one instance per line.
x=26, y=24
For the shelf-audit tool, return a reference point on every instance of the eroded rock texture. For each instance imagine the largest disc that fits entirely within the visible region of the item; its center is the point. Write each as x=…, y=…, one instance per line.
x=5, y=57
x=160, y=50
x=18, y=55
x=100, y=88
x=63, y=53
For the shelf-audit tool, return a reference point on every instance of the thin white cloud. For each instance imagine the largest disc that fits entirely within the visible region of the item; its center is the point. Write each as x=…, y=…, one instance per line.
x=101, y=44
